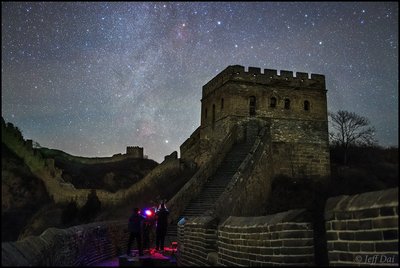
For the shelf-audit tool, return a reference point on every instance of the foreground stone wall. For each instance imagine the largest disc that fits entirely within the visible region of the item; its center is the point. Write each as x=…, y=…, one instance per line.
x=280, y=239
x=360, y=229
x=198, y=238
x=81, y=245
x=363, y=229
x=283, y=238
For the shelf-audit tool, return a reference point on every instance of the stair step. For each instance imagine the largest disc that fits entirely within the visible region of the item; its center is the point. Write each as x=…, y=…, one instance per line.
x=213, y=188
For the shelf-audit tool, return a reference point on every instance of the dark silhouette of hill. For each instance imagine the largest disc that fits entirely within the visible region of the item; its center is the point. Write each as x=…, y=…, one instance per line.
x=111, y=176
x=23, y=194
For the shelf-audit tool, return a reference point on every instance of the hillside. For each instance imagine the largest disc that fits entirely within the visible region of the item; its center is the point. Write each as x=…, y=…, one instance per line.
x=22, y=195
x=28, y=174
x=108, y=174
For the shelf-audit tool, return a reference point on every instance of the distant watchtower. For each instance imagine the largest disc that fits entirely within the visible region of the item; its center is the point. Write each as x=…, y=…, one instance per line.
x=294, y=107
x=134, y=152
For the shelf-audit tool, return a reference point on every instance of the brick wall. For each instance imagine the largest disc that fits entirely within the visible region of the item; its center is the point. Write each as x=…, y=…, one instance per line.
x=197, y=239
x=81, y=245
x=284, y=238
x=363, y=229
x=279, y=239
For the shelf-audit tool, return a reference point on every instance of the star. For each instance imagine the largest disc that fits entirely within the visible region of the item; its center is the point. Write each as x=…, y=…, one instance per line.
x=91, y=79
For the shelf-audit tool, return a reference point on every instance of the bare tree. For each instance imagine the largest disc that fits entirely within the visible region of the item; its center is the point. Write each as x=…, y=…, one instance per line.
x=350, y=129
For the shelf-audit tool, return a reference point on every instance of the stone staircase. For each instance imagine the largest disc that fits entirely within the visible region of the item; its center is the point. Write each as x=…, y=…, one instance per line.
x=213, y=189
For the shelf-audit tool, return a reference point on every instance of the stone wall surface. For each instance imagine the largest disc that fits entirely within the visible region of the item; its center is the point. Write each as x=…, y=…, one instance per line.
x=360, y=229
x=280, y=239
x=198, y=238
x=81, y=245
x=363, y=229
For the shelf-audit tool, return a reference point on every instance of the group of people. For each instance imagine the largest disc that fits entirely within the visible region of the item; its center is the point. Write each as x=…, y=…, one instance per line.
x=138, y=227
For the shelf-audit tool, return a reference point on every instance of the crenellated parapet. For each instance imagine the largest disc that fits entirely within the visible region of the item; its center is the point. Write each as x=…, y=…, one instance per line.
x=268, y=77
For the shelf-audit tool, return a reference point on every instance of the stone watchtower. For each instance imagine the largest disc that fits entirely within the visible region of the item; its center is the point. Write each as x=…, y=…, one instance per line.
x=134, y=152
x=294, y=108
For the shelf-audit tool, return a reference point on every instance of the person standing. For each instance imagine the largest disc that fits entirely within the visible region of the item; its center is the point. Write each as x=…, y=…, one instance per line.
x=162, y=224
x=135, y=227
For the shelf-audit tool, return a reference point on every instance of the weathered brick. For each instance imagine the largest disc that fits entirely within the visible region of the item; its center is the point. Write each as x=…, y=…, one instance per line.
x=297, y=251
x=265, y=236
x=277, y=243
x=386, y=246
x=368, y=235
x=355, y=247
x=266, y=243
x=390, y=235
x=297, y=259
x=298, y=242
x=367, y=247
x=339, y=225
x=255, y=250
x=346, y=235
x=366, y=213
x=254, y=243
x=332, y=236
x=274, y=228
x=341, y=246
x=333, y=256
x=385, y=222
x=295, y=234
x=266, y=251
x=345, y=256
x=343, y=215
x=387, y=211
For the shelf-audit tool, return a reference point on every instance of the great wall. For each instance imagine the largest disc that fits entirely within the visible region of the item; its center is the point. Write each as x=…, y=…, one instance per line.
x=255, y=127
x=63, y=192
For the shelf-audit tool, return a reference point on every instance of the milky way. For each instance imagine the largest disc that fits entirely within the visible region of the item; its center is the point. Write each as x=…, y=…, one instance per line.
x=93, y=78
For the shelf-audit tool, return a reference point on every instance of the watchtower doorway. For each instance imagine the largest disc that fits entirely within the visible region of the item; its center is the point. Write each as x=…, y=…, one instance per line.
x=213, y=116
x=252, y=105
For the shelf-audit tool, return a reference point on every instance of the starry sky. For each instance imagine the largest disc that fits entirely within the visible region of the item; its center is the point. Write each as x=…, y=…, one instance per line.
x=91, y=78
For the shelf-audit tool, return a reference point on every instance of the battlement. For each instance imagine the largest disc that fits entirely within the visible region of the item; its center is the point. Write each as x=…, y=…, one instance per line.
x=269, y=77
x=134, y=151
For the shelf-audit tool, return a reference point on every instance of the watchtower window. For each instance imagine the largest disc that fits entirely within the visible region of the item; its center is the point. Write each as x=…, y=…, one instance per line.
x=252, y=105
x=272, y=102
x=205, y=113
x=306, y=105
x=222, y=103
x=287, y=104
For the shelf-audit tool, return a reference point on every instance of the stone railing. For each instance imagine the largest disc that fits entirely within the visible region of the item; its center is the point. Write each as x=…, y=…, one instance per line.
x=81, y=245
x=193, y=187
x=250, y=183
x=283, y=238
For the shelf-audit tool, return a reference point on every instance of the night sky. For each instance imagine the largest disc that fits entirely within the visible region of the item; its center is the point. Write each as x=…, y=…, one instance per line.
x=93, y=78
